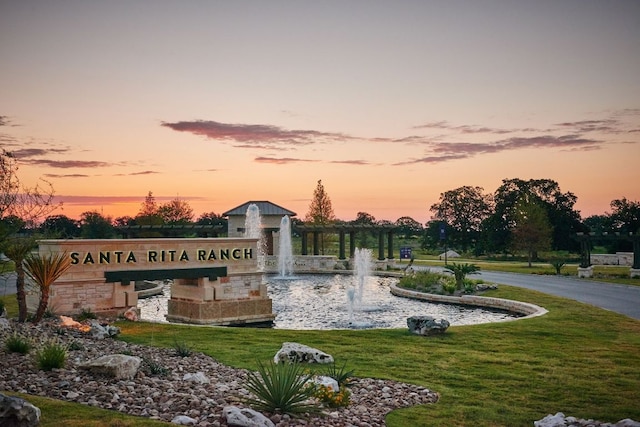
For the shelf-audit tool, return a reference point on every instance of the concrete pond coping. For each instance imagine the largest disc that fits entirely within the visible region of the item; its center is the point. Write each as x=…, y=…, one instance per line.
x=527, y=310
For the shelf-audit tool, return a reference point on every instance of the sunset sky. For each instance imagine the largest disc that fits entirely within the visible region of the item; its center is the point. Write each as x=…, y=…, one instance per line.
x=389, y=103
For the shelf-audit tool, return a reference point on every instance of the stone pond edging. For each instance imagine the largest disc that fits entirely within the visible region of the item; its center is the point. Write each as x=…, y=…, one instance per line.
x=528, y=310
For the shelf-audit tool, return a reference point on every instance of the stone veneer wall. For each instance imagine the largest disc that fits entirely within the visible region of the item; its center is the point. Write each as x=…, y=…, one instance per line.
x=619, y=258
x=84, y=287
x=303, y=263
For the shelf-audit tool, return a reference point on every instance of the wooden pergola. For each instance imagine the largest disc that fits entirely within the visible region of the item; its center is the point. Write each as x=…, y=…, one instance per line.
x=586, y=240
x=163, y=231
x=343, y=230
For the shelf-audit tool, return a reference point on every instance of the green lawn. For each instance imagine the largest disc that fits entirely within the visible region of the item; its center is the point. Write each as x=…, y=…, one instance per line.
x=577, y=359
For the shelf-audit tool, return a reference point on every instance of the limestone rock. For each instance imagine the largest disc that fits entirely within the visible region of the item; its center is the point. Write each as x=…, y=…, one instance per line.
x=294, y=352
x=131, y=314
x=4, y=323
x=198, y=377
x=183, y=420
x=114, y=365
x=244, y=417
x=427, y=325
x=559, y=420
x=101, y=332
x=327, y=382
x=17, y=412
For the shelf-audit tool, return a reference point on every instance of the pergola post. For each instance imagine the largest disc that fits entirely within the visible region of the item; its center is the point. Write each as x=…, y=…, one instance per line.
x=636, y=252
x=304, y=235
x=316, y=240
x=390, y=244
x=381, y=245
x=352, y=243
x=342, y=253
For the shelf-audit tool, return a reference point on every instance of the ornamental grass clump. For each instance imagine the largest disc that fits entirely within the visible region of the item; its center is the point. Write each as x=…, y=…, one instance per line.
x=282, y=388
x=341, y=374
x=52, y=355
x=182, y=348
x=16, y=343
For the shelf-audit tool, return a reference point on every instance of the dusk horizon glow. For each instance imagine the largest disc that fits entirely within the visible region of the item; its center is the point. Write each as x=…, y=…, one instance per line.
x=390, y=104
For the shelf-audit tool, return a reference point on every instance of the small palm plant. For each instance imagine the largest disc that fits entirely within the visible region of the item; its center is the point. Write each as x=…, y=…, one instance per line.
x=460, y=272
x=557, y=265
x=44, y=270
x=282, y=388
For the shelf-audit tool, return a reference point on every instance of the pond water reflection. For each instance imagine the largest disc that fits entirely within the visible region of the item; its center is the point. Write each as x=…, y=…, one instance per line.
x=310, y=302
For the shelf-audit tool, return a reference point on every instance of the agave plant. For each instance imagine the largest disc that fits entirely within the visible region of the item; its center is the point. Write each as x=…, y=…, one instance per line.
x=282, y=388
x=44, y=270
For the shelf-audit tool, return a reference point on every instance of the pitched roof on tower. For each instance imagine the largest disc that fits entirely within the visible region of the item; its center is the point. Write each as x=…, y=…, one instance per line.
x=265, y=208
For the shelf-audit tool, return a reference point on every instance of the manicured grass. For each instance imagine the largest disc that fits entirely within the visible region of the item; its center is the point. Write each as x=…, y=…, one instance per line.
x=577, y=359
x=56, y=413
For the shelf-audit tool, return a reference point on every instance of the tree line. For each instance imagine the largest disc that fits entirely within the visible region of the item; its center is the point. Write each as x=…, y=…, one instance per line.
x=520, y=216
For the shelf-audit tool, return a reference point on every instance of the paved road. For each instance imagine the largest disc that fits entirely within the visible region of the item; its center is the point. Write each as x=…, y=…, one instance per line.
x=7, y=284
x=622, y=299
x=619, y=298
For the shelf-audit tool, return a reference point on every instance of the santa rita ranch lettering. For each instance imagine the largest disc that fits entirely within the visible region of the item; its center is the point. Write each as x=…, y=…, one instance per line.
x=212, y=280
x=160, y=256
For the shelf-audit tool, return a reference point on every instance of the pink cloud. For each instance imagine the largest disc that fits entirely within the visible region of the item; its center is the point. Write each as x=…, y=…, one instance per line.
x=281, y=160
x=253, y=134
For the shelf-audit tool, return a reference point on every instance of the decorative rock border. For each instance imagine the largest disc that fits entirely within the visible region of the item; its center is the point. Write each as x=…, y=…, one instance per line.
x=526, y=309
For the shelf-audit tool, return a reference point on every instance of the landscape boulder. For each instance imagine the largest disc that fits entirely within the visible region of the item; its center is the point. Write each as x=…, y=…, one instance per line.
x=131, y=314
x=427, y=325
x=244, y=417
x=101, y=332
x=17, y=412
x=293, y=352
x=183, y=420
x=114, y=365
x=198, y=377
x=559, y=420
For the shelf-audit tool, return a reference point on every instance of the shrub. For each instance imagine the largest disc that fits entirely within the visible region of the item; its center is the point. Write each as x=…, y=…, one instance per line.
x=449, y=286
x=557, y=264
x=154, y=368
x=339, y=373
x=469, y=286
x=421, y=281
x=16, y=343
x=51, y=355
x=86, y=314
x=75, y=345
x=281, y=388
x=182, y=348
x=328, y=397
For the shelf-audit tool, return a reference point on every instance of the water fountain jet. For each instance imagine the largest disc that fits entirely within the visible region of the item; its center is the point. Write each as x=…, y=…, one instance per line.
x=253, y=229
x=285, y=251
